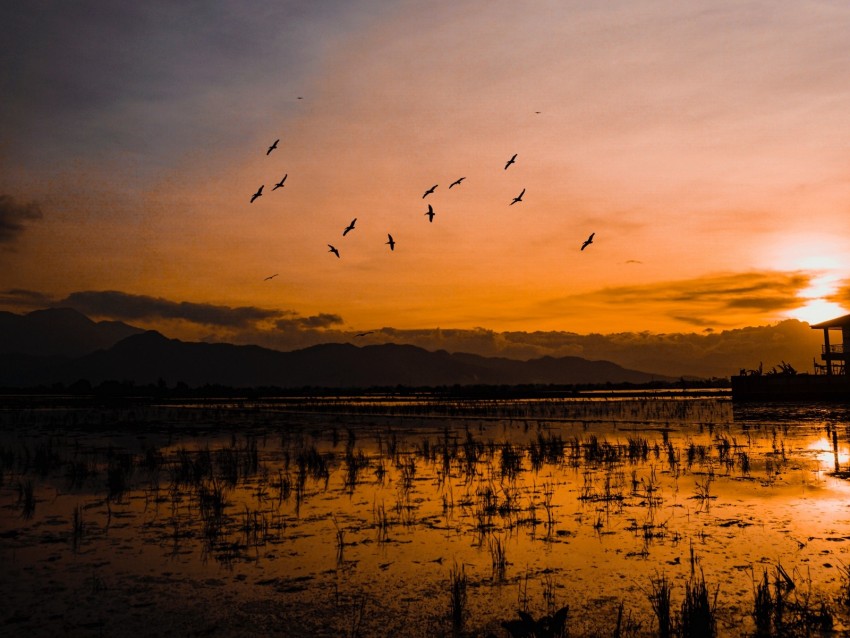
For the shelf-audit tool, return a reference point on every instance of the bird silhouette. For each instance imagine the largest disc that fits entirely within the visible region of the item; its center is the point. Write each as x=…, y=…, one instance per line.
x=430, y=213
x=511, y=161
x=259, y=193
x=430, y=190
x=518, y=198
x=457, y=182
x=280, y=183
x=588, y=241
x=270, y=277
x=333, y=250
x=273, y=146
x=363, y=334
x=349, y=228
x=391, y=242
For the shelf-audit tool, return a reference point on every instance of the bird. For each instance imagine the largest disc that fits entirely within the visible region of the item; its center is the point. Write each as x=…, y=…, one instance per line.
x=259, y=193
x=430, y=190
x=270, y=277
x=273, y=146
x=280, y=183
x=349, y=228
x=430, y=213
x=518, y=198
x=510, y=161
x=363, y=334
x=457, y=182
x=333, y=250
x=588, y=241
x=391, y=242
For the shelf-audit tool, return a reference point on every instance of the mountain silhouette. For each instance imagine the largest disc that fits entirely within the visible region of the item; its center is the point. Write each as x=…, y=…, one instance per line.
x=59, y=331
x=149, y=357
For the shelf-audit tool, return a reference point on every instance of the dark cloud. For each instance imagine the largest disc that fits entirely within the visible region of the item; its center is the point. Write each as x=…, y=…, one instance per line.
x=31, y=299
x=120, y=305
x=320, y=321
x=13, y=216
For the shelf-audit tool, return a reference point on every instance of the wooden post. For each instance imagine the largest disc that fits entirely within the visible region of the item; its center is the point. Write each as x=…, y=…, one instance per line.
x=826, y=351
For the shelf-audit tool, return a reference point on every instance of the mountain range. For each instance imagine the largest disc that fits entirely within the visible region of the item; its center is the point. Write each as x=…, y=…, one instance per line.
x=63, y=346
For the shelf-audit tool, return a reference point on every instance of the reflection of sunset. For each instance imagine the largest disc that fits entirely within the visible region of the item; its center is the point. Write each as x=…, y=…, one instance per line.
x=826, y=455
x=308, y=505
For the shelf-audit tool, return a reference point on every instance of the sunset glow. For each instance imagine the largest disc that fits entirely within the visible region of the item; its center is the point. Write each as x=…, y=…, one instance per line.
x=704, y=144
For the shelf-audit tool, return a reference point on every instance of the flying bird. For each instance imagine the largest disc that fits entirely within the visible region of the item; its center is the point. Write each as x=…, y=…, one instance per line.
x=391, y=242
x=457, y=182
x=270, y=277
x=273, y=146
x=259, y=193
x=518, y=198
x=430, y=213
x=363, y=334
x=588, y=241
x=333, y=250
x=349, y=228
x=430, y=190
x=280, y=183
x=511, y=161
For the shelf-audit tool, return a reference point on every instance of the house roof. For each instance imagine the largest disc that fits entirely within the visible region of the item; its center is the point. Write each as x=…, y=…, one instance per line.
x=838, y=322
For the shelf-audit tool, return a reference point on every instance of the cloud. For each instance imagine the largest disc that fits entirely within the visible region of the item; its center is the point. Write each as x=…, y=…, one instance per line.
x=29, y=299
x=322, y=320
x=13, y=216
x=124, y=306
x=699, y=301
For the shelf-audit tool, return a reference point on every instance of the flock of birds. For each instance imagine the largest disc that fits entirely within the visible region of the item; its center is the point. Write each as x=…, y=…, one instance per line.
x=429, y=213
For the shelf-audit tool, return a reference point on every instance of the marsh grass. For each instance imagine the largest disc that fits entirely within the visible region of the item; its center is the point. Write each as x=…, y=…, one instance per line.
x=26, y=499
x=783, y=610
x=661, y=602
x=77, y=529
x=698, y=613
x=498, y=556
x=457, y=598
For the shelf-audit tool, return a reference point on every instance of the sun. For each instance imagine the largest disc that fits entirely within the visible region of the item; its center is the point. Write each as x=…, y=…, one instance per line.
x=816, y=310
x=823, y=260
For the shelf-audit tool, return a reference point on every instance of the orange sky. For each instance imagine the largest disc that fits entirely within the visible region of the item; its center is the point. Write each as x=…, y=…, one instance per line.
x=705, y=143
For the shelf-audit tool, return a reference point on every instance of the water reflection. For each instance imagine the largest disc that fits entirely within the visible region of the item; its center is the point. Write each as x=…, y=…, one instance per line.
x=381, y=515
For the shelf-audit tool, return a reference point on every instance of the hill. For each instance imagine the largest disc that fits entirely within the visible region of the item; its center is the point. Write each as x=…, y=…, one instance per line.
x=149, y=357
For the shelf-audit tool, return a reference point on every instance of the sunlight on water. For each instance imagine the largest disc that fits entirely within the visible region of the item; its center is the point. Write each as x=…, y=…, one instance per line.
x=364, y=515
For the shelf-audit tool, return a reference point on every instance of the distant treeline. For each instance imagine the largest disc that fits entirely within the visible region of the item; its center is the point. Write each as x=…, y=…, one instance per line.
x=180, y=390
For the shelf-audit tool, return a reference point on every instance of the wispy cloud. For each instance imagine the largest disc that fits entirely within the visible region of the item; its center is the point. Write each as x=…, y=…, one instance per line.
x=14, y=215
x=701, y=301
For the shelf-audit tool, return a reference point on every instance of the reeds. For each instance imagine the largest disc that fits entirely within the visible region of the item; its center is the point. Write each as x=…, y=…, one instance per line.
x=76, y=529
x=457, y=598
x=498, y=556
x=26, y=499
x=661, y=602
x=785, y=611
x=697, y=618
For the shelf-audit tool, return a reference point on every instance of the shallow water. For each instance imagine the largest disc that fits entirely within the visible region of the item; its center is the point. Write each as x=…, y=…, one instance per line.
x=348, y=516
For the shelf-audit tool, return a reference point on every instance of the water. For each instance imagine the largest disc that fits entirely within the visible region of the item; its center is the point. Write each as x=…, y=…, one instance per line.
x=349, y=516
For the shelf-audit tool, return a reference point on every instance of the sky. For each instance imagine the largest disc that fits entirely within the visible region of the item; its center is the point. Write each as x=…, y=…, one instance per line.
x=705, y=143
